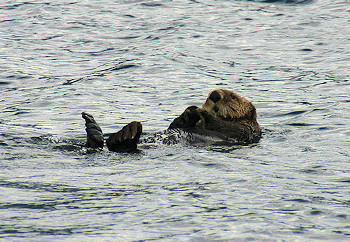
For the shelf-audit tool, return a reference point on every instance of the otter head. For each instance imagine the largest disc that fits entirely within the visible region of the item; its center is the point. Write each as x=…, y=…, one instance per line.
x=228, y=105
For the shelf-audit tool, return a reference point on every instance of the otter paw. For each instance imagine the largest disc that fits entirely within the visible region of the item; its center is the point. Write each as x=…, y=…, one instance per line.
x=187, y=119
x=126, y=139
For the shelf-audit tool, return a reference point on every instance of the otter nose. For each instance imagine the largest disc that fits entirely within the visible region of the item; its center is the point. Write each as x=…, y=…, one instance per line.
x=215, y=96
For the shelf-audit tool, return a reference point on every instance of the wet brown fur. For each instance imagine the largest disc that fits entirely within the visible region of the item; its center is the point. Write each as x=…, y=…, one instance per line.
x=232, y=107
x=224, y=114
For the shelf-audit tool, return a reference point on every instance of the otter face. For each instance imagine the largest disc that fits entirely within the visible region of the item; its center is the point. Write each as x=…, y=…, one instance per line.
x=226, y=104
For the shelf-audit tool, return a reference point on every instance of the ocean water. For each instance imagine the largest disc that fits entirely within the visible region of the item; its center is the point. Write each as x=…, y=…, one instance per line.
x=147, y=61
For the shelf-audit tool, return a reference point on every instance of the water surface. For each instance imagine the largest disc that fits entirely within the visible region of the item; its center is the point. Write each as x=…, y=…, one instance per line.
x=148, y=61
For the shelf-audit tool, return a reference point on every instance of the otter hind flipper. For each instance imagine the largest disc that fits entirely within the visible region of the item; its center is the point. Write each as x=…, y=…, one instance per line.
x=126, y=139
x=94, y=138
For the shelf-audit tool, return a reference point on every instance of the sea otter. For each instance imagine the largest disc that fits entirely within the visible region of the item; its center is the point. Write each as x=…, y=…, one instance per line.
x=225, y=117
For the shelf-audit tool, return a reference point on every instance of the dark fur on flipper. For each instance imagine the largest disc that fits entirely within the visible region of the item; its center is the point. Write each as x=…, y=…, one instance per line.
x=126, y=139
x=94, y=133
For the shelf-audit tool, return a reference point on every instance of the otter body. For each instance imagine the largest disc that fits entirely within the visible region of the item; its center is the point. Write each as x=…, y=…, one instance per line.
x=225, y=117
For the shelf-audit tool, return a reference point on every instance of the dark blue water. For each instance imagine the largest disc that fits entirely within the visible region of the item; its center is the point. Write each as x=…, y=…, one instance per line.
x=148, y=61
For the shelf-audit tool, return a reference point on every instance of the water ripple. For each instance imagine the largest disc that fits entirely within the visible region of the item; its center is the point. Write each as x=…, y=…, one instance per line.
x=148, y=61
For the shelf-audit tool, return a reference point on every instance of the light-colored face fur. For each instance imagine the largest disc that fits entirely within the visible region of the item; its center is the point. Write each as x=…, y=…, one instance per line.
x=226, y=104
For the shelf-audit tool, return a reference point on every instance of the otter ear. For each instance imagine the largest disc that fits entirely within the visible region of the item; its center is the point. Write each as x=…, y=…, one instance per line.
x=253, y=112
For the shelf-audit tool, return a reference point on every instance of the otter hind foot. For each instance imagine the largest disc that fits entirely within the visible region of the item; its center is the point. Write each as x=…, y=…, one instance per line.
x=94, y=133
x=126, y=139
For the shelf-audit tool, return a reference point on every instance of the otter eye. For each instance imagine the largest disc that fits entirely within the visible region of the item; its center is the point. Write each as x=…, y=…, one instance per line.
x=233, y=97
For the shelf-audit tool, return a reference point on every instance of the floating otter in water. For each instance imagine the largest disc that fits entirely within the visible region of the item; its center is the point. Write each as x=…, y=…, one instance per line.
x=225, y=117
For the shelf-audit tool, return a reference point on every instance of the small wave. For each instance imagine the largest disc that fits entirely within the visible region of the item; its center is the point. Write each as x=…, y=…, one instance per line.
x=293, y=113
x=58, y=144
x=39, y=186
x=102, y=72
x=299, y=200
x=152, y=4
x=283, y=1
x=42, y=231
x=14, y=6
x=300, y=124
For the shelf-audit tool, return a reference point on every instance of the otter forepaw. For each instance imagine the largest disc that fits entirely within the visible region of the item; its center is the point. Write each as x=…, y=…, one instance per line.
x=187, y=119
x=126, y=139
x=94, y=138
